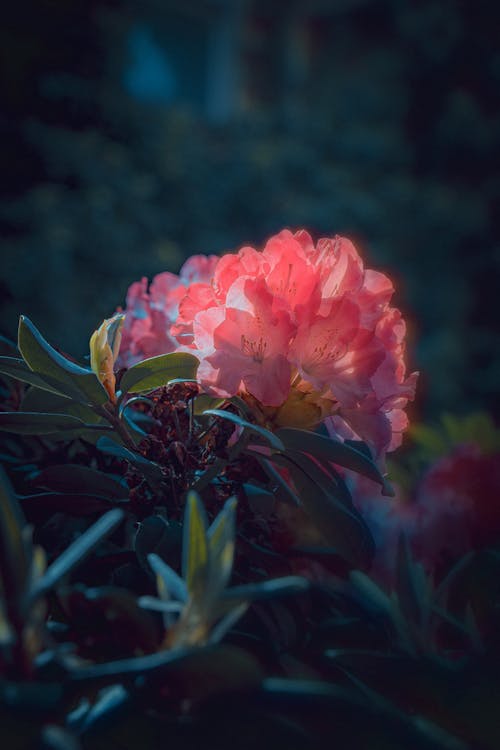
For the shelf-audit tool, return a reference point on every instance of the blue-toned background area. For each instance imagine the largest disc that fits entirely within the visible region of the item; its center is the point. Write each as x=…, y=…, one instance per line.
x=135, y=134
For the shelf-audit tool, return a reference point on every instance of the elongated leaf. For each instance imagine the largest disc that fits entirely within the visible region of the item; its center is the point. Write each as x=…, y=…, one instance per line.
x=157, y=371
x=324, y=476
x=194, y=545
x=221, y=540
x=276, y=587
x=172, y=584
x=328, y=449
x=42, y=505
x=411, y=585
x=78, y=382
x=15, y=554
x=340, y=526
x=38, y=400
x=78, y=551
x=266, y=435
x=80, y=479
x=157, y=535
x=151, y=471
x=280, y=488
x=36, y=423
x=203, y=402
x=18, y=369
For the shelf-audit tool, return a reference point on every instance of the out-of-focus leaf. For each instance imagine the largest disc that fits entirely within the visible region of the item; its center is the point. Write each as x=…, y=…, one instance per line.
x=280, y=488
x=89, y=612
x=277, y=587
x=271, y=439
x=7, y=347
x=78, y=551
x=194, y=545
x=15, y=557
x=79, y=479
x=156, y=535
x=151, y=471
x=328, y=449
x=151, y=664
x=78, y=382
x=37, y=423
x=221, y=539
x=170, y=584
x=19, y=370
x=40, y=506
x=411, y=585
x=157, y=371
x=341, y=527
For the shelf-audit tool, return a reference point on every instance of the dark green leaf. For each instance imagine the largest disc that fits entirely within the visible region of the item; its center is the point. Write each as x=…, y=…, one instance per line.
x=18, y=369
x=80, y=479
x=157, y=371
x=276, y=587
x=195, y=562
x=42, y=505
x=151, y=471
x=78, y=382
x=278, y=485
x=15, y=553
x=340, y=526
x=266, y=435
x=36, y=423
x=157, y=535
x=328, y=449
x=78, y=551
x=42, y=401
x=411, y=584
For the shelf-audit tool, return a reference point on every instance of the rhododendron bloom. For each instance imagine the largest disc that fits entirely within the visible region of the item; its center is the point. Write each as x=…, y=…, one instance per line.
x=150, y=313
x=301, y=331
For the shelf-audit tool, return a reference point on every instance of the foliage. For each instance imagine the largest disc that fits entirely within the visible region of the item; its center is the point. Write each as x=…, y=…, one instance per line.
x=205, y=574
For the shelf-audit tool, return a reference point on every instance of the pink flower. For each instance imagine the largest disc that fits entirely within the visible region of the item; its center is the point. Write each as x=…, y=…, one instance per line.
x=247, y=346
x=150, y=314
x=296, y=324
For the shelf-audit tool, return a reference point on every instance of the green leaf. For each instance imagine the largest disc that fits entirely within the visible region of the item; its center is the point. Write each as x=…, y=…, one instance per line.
x=202, y=403
x=80, y=479
x=18, y=369
x=221, y=540
x=78, y=551
x=170, y=584
x=157, y=371
x=15, y=552
x=340, y=526
x=411, y=585
x=151, y=470
x=35, y=423
x=328, y=449
x=195, y=545
x=268, y=436
x=38, y=400
x=78, y=382
x=276, y=587
x=156, y=535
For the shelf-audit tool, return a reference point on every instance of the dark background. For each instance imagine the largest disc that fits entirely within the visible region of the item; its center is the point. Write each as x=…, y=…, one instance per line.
x=134, y=134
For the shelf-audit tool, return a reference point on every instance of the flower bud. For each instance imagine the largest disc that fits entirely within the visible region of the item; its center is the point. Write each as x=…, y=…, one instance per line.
x=104, y=348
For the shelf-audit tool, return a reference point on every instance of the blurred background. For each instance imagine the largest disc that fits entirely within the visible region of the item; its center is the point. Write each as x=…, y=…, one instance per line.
x=134, y=134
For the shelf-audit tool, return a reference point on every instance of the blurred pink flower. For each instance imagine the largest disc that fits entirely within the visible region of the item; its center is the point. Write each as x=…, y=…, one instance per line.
x=150, y=313
x=453, y=508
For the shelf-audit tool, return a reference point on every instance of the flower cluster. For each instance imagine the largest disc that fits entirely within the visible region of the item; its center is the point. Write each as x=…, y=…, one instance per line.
x=302, y=331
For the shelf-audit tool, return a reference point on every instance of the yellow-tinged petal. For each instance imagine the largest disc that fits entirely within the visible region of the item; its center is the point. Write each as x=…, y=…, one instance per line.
x=104, y=348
